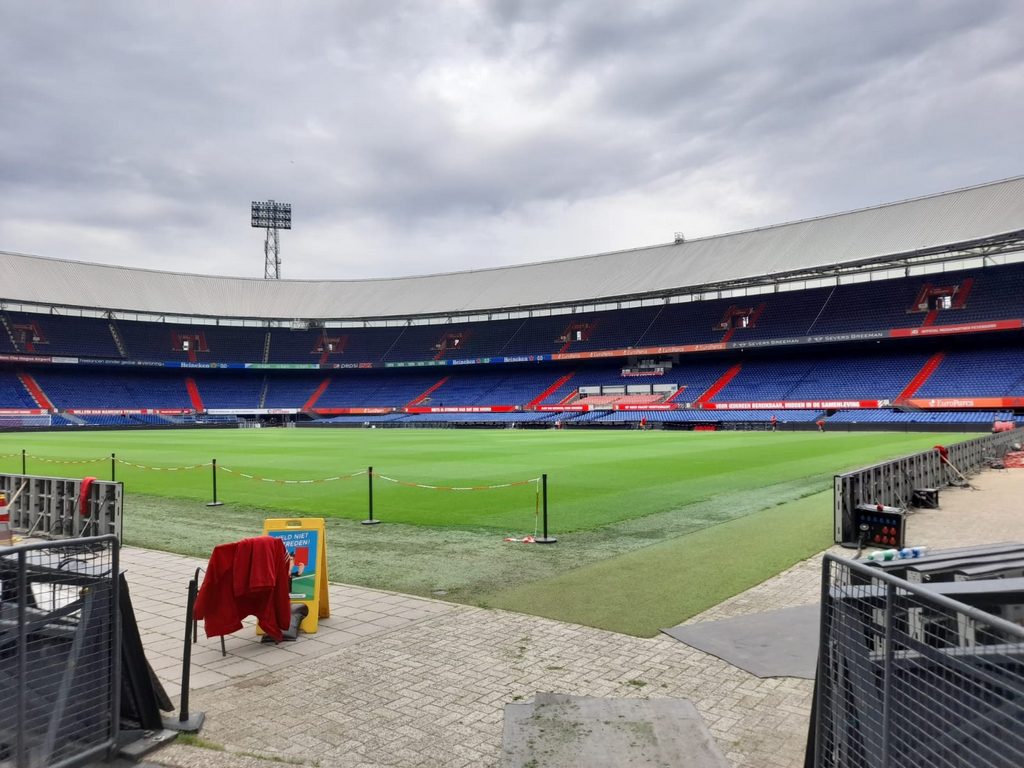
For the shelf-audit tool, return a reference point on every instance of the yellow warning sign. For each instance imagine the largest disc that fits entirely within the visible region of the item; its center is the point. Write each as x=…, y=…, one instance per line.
x=306, y=542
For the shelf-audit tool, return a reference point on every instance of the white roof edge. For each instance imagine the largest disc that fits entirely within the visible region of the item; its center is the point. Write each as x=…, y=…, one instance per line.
x=862, y=235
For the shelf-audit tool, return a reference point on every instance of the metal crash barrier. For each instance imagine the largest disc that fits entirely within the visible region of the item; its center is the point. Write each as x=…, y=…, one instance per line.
x=60, y=507
x=917, y=675
x=893, y=483
x=59, y=646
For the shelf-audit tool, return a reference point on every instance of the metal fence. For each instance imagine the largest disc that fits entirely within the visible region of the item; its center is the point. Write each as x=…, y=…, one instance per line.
x=892, y=483
x=910, y=677
x=59, y=651
x=56, y=507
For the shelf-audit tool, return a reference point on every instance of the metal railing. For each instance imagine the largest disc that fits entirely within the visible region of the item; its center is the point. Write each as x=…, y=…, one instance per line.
x=54, y=507
x=892, y=483
x=59, y=652
x=910, y=677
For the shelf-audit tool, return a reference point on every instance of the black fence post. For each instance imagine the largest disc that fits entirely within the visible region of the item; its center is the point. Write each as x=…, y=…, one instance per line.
x=23, y=462
x=369, y=520
x=113, y=473
x=214, y=503
x=186, y=722
x=545, y=539
x=21, y=666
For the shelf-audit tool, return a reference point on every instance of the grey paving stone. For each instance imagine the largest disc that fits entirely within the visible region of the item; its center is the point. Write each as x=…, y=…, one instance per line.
x=559, y=731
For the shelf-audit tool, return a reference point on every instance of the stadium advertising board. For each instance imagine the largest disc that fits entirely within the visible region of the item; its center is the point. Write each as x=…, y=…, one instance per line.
x=417, y=364
x=464, y=361
x=822, y=339
x=637, y=372
x=944, y=403
x=252, y=411
x=352, y=411
x=646, y=407
x=463, y=409
x=128, y=411
x=25, y=359
x=602, y=353
x=797, y=405
x=132, y=363
x=273, y=366
x=949, y=330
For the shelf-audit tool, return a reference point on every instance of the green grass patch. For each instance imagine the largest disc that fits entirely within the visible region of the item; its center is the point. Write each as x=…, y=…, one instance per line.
x=596, y=478
x=641, y=592
x=194, y=740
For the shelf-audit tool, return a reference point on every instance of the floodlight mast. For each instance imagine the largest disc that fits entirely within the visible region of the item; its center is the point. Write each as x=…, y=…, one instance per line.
x=271, y=216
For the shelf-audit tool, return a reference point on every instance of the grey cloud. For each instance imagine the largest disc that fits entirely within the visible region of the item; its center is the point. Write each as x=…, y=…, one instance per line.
x=157, y=123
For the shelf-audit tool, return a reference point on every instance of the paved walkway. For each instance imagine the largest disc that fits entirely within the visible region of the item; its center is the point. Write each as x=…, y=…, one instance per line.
x=158, y=582
x=396, y=681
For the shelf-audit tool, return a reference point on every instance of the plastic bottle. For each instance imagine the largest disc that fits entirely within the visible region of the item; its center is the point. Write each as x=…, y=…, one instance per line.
x=911, y=552
x=884, y=555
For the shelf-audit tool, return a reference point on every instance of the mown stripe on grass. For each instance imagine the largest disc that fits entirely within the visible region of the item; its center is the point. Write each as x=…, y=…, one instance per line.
x=640, y=592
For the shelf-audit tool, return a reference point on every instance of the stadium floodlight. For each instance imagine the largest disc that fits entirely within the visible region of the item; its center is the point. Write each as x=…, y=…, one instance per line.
x=272, y=216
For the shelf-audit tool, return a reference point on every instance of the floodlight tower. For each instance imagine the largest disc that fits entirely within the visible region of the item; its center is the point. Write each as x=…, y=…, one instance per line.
x=272, y=217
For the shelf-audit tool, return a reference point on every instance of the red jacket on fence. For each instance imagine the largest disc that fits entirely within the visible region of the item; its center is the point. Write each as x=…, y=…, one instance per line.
x=247, y=578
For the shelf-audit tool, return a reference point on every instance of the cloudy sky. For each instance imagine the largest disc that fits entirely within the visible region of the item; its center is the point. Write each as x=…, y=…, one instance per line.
x=418, y=136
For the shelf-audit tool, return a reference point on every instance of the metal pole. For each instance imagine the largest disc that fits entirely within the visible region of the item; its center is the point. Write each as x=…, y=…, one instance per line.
x=544, y=497
x=20, y=748
x=113, y=474
x=369, y=477
x=23, y=462
x=890, y=598
x=187, y=722
x=186, y=655
x=115, y=642
x=214, y=503
x=818, y=723
x=544, y=491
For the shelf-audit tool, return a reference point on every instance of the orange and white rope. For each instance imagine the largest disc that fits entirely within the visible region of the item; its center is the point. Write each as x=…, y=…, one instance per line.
x=429, y=487
x=259, y=478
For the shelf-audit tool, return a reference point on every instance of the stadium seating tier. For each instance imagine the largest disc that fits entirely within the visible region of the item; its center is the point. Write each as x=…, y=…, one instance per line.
x=992, y=367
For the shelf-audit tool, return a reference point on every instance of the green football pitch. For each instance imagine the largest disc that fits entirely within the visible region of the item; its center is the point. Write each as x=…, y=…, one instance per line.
x=652, y=526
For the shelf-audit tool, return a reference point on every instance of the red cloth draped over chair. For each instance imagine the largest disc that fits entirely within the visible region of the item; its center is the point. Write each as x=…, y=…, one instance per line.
x=246, y=578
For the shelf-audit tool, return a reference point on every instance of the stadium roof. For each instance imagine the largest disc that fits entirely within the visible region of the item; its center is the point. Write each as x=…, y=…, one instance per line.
x=988, y=215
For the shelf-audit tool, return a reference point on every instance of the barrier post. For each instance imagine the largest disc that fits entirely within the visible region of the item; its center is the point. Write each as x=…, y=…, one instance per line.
x=23, y=462
x=188, y=722
x=544, y=486
x=113, y=475
x=369, y=477
x=214, y=503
